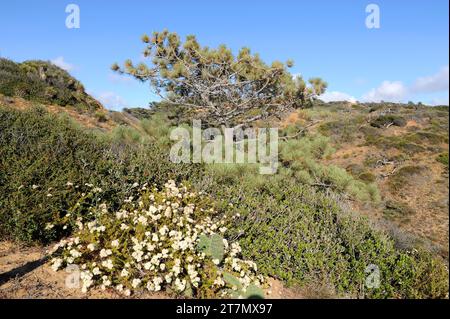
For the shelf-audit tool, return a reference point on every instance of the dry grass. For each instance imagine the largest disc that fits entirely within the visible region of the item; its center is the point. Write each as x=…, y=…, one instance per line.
x=425, y=194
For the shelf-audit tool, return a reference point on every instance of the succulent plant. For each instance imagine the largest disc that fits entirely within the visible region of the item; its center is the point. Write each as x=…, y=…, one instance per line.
x=250, y=292
x=212, y=246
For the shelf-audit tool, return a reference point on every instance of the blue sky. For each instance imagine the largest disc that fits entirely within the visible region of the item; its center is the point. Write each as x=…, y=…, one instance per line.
x=405, y=59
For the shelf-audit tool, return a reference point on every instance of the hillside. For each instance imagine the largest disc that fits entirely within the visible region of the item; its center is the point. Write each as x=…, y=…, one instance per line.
x=404, y=150
x=43, y=82
x=358, y=185
x=30, y=83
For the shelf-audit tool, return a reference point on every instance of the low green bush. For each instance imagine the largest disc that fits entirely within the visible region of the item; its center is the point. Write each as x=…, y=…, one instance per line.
x=44, y=82
x=402, y=143
x=443, y=159
x=423, y=137
x=304, y=236
x=302, y=158
x=139, y=112
x=38, y=149
x=343, y=130
x=367, y=177
x=101, y=116
x=385, y=120
x=397, y=210
x=405, y=175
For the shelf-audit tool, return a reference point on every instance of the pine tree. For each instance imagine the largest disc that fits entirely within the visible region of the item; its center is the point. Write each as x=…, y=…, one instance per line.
x=215, y=85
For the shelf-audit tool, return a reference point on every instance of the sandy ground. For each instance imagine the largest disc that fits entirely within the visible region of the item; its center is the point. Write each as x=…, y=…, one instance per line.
x=24, y=273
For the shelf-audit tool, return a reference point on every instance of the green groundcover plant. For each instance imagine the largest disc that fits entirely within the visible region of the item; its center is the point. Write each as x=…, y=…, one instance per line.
x=309, y=238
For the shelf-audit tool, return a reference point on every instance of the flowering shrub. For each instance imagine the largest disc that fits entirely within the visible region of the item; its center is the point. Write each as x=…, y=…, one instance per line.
x=161, y=240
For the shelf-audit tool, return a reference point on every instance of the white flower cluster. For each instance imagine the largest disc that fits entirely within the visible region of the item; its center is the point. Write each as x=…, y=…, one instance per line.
x=152, y=243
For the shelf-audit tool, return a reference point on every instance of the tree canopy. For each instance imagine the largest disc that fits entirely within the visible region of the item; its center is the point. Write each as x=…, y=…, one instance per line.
x=217, y=86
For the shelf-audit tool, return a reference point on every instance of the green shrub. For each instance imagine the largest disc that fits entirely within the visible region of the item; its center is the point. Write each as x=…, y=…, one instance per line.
x=405, y=175
x=397, y=210
x=367, y=177
x=139, y=113
x=309, y=147
x=303, y=236
x=101, y=116
x=293, y=224
x=342, y=130
x=443, y=159
x=302, y=158
x=422, y=136
x=385, y=120
x=402, y=143
x=48, y=151
x=44, y=82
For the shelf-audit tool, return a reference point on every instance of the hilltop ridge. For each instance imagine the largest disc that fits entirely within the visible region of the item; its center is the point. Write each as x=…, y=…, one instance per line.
x=44, y=82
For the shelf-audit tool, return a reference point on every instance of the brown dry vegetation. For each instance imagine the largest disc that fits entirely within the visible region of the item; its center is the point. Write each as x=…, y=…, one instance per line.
x=400, y=159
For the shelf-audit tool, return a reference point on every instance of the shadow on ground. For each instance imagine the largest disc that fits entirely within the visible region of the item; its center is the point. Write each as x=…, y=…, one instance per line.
x=22, y=270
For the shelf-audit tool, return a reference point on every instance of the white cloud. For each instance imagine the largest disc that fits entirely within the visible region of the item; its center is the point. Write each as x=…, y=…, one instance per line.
x=59, y=61
x=112, y=101
x=434, y=83
x=394, y=91
x=337, y=96
x=397, y=91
